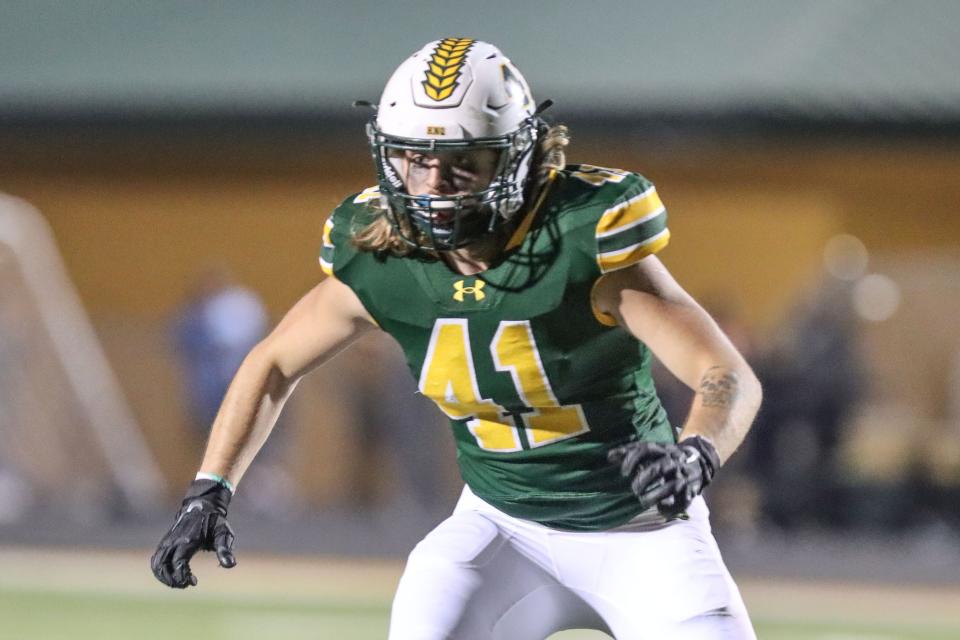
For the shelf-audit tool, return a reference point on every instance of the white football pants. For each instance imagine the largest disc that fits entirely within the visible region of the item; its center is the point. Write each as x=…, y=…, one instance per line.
x=482, y=574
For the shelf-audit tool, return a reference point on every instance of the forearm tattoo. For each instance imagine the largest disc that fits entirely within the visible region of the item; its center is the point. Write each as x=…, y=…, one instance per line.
x=718, y=387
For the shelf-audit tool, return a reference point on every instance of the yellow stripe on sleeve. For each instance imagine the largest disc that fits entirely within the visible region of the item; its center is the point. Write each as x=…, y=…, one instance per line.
x=613, y=260
x=634, y=211
x=326, y=252
x=327, y=230
x=326, y=267
x=603, y=318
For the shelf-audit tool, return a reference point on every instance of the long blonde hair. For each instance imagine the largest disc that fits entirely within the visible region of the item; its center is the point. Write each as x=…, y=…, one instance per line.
x=379, y=235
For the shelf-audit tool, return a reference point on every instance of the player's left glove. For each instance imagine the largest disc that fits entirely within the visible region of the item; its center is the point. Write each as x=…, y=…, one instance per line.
x=668, y=476
x=201, y=524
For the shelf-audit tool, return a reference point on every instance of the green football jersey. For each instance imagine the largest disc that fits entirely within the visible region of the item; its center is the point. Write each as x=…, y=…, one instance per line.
x=537, y=384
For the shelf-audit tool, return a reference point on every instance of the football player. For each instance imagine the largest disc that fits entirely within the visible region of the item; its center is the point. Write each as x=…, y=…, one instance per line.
x=528, y=300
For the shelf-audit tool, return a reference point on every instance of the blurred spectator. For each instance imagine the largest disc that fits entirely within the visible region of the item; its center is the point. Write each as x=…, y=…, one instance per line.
x=215, y=329
x=939, y=483
x=813, y=377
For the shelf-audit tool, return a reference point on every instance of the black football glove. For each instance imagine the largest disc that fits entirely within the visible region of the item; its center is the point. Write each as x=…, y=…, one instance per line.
x=201, y=524
x=668, y=476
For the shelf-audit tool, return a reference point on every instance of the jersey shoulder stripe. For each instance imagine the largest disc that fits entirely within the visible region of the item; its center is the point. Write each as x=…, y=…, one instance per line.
x=633, y=253
x=634, y=227
x=634, y=211
x=617, y=216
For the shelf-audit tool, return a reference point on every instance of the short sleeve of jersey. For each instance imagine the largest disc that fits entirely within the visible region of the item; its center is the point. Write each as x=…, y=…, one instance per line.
x=327, y=249
x=336, y=249
x=633, y=227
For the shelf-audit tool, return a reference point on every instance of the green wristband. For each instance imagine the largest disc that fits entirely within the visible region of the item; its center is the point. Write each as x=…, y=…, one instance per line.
x=202, y=475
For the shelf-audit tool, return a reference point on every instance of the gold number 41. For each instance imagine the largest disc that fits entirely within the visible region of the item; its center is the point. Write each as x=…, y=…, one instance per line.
x=449, y=378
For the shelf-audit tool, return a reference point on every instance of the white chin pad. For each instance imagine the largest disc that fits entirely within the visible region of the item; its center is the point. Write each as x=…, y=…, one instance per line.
x=438, y=205
x=443, y=204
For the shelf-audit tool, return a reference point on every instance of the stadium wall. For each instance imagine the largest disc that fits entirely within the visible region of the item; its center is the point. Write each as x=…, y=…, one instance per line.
x=133, y=237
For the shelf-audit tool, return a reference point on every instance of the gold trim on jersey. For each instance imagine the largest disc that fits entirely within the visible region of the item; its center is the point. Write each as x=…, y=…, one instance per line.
x=603, y=318
x=327, y=267
x=613, y=260
x=631, y=213
x=327, y=231
x=367, y=194
x=521, y=231
x=443, y=69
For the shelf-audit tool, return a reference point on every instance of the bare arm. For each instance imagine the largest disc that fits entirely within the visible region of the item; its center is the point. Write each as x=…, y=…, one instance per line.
x=320, y=325
x=648, y=302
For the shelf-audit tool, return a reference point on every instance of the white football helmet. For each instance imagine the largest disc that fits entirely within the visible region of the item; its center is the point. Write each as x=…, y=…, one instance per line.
x=455, y=94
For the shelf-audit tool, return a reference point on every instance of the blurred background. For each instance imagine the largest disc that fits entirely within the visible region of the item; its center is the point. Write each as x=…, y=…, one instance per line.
x=166, y=169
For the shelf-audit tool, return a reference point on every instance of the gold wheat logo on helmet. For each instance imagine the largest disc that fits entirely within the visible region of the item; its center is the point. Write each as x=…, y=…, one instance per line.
x=443, y=70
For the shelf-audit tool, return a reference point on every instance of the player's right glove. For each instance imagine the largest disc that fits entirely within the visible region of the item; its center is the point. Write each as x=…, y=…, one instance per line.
x=668, y=476
x=201, y=524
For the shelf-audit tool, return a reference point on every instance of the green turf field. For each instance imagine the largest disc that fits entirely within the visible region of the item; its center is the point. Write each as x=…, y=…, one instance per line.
x=76, y=596
x=77, y=616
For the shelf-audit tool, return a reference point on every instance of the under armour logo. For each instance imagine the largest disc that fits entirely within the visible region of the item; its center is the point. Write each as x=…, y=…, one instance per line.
x=476, y=290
